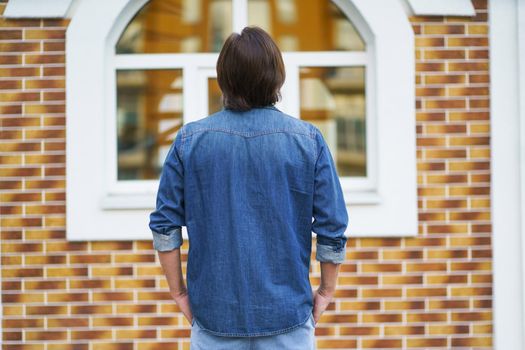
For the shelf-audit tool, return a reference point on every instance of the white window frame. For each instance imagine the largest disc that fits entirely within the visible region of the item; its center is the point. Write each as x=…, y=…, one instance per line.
x=190, y=63
x=99, y=208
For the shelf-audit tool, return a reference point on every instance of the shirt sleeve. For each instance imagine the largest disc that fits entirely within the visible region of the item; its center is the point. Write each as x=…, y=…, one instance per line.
x=329, y=209
x=167, y=219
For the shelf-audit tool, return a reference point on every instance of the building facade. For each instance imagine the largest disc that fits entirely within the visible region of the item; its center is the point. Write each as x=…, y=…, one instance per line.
x=93, y=93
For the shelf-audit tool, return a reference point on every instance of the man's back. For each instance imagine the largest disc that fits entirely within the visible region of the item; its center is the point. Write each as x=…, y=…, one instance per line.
x=252, y=181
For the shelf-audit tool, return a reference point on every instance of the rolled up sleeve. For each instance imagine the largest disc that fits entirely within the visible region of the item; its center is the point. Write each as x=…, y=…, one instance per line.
x=167, y=219
x=329, y=209
x=167, y=241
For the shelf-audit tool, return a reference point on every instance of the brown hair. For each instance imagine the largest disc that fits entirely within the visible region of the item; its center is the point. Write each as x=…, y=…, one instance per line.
x=250, y=70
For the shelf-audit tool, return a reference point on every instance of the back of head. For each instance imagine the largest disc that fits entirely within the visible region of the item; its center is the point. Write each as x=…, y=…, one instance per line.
x=250, y=70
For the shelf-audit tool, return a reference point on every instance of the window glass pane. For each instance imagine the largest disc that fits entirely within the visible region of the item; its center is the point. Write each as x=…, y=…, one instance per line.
x=214, y=96
x=333, y=99
x=176, y=26
x=313, y=25
x=149, y=114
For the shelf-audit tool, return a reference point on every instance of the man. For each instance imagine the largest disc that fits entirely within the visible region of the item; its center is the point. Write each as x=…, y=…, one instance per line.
x=247, y=182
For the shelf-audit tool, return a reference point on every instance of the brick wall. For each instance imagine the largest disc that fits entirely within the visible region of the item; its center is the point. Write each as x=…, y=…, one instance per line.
x=433, y=291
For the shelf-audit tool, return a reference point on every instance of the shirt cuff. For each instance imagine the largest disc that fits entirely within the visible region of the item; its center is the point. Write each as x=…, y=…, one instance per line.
x=168, y=241
x=328, y=253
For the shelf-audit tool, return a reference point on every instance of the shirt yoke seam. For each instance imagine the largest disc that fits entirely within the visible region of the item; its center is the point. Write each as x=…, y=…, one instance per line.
x=247, y=134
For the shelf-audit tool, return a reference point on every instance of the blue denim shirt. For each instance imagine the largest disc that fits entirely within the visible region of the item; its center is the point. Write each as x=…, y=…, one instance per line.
x=250, y=187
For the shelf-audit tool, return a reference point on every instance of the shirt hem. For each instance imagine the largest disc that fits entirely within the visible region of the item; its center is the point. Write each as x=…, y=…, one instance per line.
x=255, y=334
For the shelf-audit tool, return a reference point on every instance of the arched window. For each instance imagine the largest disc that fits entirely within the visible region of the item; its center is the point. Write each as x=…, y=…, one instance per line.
x=326, y=62
x=147, y=67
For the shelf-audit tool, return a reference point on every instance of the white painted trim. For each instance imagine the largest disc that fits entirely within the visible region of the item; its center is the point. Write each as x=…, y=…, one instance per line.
x=507, y=189
x=110, y=127
x=190, y=94
x=391, y=40
x=85, y=142
x=521, y=100
x=442, y=7
x=180, y=60
x=66, y=8
x=90, y=59
x=143, y=201
x=72, y=8
x=37, y=8
x=239, y=15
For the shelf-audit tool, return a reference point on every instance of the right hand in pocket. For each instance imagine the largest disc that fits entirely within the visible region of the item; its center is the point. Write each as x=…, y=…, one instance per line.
x=321, y=298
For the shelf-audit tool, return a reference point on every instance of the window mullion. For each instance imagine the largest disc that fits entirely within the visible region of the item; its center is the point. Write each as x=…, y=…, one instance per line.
x=163, y=61
x=190, y=92
x=290, y=90
x=327, y=58
x=239, y=15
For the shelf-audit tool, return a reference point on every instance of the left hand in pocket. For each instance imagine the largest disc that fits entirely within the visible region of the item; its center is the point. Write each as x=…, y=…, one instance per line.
x=183, y=302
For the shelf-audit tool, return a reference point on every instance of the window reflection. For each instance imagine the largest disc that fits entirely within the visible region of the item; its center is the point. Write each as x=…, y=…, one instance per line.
x=313, y=25
x=214, y=96
x=150, y=101
x=333, y=99
x=149, y=114
x=176, y=26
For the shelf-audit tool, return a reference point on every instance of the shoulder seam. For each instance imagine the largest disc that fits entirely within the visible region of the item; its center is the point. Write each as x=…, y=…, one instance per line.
x=317, y=147
x=182, y=137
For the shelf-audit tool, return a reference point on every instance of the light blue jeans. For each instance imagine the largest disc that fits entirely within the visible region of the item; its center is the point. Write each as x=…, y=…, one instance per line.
x=300, y=338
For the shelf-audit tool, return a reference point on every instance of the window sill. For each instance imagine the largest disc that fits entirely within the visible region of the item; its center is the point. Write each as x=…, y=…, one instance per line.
x=147, y=201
